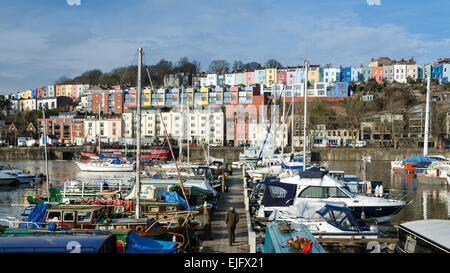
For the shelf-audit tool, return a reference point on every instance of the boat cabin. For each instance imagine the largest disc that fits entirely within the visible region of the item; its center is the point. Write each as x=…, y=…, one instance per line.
x=77, y=216
x=424, y=236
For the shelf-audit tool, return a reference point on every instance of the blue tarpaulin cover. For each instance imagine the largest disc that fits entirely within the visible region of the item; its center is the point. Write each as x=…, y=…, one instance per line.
x=174, y=197
x=36, y=216
x=418, y=159
x=138, y=244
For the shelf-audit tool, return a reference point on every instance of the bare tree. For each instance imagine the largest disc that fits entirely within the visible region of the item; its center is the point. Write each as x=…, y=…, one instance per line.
x=218, y=66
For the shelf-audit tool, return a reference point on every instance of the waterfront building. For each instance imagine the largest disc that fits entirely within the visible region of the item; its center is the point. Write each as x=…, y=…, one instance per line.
x=331, y=75
x=346, y=75
x=377, y=73
x=203, y=82
x=230, y=79
x=59, y=126
x=249, y=77
x=388, y=73
x=239, y=78
x=52, y=102
x=338, y=89
x=211, y=79
x=291, y=76
x=26, y=105
x=281, y=76
x=106, y=101
x=221, y=80
x=105, y=127
x=271, y=77
x=77, y=129
x=314, y=74
x=367, y=73
x=260, y=76
x=381, y=61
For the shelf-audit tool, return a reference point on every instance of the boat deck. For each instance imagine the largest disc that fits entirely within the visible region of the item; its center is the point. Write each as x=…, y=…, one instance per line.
x=219, y=236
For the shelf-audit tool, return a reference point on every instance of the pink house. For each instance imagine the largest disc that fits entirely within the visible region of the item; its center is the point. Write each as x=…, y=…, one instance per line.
x=249, y=78
x=291, y=77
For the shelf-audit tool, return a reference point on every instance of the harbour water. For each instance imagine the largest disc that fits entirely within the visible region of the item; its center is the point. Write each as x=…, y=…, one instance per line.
x=429, y=199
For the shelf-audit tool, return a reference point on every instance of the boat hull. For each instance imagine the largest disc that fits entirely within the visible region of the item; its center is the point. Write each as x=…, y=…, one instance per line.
x=85, y=167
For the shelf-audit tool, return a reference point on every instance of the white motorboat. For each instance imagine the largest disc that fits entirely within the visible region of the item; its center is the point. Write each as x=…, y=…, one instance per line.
x=8, y=180
x=326, y=220
x=114, y=165
x=21, y=176
x=315, y=185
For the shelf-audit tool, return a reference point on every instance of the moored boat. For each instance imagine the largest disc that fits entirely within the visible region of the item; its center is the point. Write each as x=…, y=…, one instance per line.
x=114, y=165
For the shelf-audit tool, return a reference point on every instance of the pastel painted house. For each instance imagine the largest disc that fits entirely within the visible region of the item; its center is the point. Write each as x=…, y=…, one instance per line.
x=260, y=76
x=271, y=77
x=249, y=78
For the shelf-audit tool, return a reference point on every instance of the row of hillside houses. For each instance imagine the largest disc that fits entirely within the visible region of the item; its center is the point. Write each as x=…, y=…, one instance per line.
x=229, y=88
x=381, y=69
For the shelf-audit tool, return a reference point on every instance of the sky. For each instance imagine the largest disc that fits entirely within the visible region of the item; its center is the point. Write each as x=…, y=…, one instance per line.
x=44, y=40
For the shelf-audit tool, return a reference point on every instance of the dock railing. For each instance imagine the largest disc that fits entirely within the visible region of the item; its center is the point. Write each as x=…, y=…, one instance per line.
x=251, y=233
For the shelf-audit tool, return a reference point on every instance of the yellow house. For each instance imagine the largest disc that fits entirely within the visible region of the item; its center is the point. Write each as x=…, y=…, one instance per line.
x=27, y=105
x=147, y=97
x=271, y=77
x=314, y=75
x=204, y=91
x=26, y=94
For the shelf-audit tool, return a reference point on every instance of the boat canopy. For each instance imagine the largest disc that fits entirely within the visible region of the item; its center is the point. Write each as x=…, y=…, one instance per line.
x=278, y=194
x=174, y=197
x=313, y=172
x=138, y=244
x=115, y=161
x=58, y=244
x=418, y=159
x=335, y=213
x=37, y=215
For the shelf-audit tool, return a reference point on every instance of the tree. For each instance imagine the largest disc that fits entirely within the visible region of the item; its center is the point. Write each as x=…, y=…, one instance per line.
x=354, y=110
x=186, y=66
x=218, y=67
x=252, y=66
x=438, y=120
x=272, y=63
x=237, y=66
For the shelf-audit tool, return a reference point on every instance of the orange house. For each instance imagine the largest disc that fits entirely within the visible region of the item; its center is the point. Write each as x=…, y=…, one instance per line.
x=377, y=73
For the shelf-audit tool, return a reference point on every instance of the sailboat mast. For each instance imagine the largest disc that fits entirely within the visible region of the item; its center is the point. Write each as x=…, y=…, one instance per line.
x=427, y=117
x=138, y=135
x=45, y=152
x=180, y=148
x=292, y=125
x=284, y=122
x=188, y=128
x=304, y=115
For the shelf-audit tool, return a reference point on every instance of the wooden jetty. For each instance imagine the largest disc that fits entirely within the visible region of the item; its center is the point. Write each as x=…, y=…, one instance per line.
x=218, y=241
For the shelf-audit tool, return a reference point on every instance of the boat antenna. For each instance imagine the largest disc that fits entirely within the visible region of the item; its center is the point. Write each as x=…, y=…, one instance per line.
x=170, y=145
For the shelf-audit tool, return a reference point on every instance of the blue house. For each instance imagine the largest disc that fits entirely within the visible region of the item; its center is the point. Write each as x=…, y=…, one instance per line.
x=340, y=89
x=346, y=74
